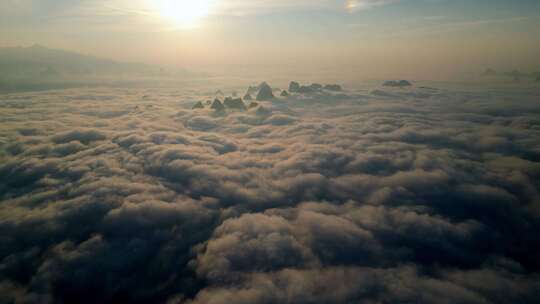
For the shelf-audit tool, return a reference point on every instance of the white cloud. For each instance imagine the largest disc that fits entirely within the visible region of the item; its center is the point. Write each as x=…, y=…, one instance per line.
x=413, y=194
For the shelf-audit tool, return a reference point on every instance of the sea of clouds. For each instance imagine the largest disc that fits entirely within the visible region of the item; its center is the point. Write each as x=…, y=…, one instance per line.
x=427, y=194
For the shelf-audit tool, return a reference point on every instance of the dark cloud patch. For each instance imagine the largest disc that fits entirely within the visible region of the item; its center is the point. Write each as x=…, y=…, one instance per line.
x=25, y=173
x=347, y=285
x=84, y=136
x=29, y=131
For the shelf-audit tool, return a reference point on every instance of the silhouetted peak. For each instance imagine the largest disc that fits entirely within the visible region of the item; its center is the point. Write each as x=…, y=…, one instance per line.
x=489, y=72
x=397, y=83
x=265, y=92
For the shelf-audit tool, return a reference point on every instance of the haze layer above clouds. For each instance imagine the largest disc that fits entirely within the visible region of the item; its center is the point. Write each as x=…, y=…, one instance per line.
x=361, y=39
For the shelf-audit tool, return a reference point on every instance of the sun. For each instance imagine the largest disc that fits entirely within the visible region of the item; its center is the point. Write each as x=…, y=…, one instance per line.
x=184, y=13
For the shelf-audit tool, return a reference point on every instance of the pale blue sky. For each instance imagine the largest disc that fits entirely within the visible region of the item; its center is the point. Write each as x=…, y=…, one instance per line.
x=378, y=36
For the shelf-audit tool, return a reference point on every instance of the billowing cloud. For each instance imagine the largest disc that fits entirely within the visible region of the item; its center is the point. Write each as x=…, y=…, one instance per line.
x=407, y=195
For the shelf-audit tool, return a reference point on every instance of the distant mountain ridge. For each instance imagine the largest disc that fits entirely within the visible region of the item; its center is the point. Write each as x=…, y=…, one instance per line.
x=39, y=67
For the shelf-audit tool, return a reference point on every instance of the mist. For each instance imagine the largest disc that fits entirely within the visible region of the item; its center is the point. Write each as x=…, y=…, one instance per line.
x=359, y=39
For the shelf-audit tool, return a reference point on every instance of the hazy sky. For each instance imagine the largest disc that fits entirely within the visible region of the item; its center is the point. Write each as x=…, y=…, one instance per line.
x=416, y=38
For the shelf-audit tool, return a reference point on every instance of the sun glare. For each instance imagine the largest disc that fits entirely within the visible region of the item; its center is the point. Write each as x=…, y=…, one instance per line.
x=184, y=13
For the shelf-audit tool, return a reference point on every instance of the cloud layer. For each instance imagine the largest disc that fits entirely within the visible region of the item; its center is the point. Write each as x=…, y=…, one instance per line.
x=375, y=195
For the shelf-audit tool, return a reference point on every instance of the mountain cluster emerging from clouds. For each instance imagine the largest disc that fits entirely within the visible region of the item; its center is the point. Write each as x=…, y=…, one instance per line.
x=421, y=194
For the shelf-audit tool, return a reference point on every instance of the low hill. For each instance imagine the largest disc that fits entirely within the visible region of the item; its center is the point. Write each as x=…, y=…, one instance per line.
x=38, y=68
